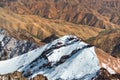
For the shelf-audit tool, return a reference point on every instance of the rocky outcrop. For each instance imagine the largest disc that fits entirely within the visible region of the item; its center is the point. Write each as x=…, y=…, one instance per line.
x=11, y=47
x=39, y=77
x=18, y=76
x=13, y=76
x=50, y=38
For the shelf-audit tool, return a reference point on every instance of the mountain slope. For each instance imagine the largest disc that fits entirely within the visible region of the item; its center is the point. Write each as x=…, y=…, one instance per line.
x=103, y=13
x=28, y=64
x=108, y=62
x=65, y=58
x=34, y=28
x=108, y=40
x=11, y=47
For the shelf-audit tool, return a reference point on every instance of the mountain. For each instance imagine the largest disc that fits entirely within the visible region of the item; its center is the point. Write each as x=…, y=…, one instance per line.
x=32, y=46
x=35, y=28
x=37, y=20
x=102, y=13
x=64, y=58
x=108, y=40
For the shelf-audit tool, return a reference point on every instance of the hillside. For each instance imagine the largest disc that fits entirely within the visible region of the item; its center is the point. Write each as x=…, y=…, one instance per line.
x=94, y=13
x=38, y=19
x=35, y=28
x=60, y=39
x=108, y=40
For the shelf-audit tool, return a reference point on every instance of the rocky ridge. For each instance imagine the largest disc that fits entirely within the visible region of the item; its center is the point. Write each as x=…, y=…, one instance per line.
x=11, y=47
x=60, y=60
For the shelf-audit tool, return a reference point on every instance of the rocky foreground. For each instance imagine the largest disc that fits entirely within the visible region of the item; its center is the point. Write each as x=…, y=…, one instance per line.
x=18, y=76
x=102, y=74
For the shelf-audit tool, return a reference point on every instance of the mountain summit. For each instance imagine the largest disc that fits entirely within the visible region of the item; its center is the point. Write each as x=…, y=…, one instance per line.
x=64, y=58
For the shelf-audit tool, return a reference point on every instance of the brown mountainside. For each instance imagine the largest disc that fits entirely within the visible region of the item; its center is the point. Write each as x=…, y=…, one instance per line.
x=96, y=13
x=108, y=40
x=36, y=28
x=107, y=61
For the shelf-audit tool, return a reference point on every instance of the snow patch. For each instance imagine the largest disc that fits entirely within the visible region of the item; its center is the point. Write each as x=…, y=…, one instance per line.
x=108, y=68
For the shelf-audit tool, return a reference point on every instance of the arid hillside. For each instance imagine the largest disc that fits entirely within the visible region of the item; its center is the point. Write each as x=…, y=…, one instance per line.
x=95, y=13
x=108, y=40
x=25, y=25
x=35, y=28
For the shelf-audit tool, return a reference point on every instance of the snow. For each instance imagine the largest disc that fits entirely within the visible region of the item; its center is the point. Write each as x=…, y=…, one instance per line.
x=14, y=64
x=82, y=65
x=11, y=47
x=65, y=51
x=1, y=37
x=2, y=34
x=108, y=68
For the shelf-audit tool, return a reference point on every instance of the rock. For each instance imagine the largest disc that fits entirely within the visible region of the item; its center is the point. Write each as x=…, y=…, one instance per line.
x=13, y=76
x=50, y=38
x=11, y=47
x=40, y=77
x=103, y=74
x=18, y=76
